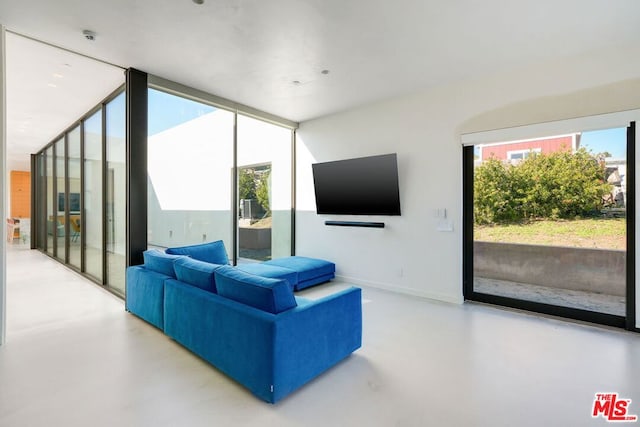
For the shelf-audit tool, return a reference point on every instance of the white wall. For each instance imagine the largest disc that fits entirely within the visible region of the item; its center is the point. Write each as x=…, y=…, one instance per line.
x=3, y=187
x=425, y=129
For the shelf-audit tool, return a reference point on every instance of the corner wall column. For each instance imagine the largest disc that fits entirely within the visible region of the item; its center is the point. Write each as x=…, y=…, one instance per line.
x=136, y=165
x=3, y=188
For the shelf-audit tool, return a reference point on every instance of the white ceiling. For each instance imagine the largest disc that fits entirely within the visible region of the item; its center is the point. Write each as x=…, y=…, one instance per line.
x=48, y=89
x=251, y=51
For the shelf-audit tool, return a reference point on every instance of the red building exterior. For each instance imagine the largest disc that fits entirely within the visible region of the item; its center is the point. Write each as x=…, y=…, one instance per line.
x=517, y=150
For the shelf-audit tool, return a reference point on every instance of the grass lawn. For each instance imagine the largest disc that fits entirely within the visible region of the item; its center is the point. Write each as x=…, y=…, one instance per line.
x=603, y=233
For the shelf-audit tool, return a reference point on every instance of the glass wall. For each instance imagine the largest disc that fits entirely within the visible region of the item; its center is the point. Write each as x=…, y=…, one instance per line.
x=74, y=196
x=116, y=201
x=81, y=195
x=190, y=169
x=212, y=175
x=92, y=240
x=41, y=200
x=264, y=190
x=59, y=200
x=52, y=226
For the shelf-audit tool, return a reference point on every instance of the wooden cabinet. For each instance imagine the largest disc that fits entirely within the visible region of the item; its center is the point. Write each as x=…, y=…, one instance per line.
x=20, y=194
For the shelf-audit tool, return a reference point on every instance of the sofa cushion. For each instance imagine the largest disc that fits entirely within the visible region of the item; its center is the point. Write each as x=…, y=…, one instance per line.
x=196, y=273
x=213, y=252
x=160, y=262
x=272, y=271
x=307, y=268
x=264, y=293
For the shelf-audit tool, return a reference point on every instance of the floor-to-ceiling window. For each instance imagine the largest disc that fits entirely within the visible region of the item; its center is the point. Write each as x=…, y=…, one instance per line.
x=549, y=220
x=92, y=215
x=190, y=168
x=201, y=155
x=264, y=190
x=60, y=199
x=51, y=230
x=80, y=195
x=115, y=193
x=74, y=197
x=215, y=174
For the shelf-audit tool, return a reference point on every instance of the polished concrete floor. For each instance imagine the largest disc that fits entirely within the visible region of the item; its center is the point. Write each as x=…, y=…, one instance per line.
x=74, y=357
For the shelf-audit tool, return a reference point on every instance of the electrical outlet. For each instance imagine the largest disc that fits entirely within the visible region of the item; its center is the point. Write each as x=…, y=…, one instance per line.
x=445, y=225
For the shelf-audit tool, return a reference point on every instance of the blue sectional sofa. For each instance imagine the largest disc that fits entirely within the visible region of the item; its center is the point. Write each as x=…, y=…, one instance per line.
x=251, y=327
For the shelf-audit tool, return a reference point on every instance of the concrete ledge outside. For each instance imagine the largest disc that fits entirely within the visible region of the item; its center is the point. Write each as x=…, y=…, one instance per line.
x=589, y=270
x=254, y=238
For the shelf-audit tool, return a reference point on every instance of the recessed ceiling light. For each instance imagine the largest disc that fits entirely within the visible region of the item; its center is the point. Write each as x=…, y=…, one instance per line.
x=198, y=1
x=325, y=72
x=52, y=85
x=296, y=82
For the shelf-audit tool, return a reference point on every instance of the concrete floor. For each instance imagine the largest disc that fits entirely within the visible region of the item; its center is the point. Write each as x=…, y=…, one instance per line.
x=590, y=301
x=74, y=357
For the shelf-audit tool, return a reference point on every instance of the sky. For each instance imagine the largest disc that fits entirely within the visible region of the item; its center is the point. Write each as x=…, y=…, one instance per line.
x=167, y=111
x=612, y=140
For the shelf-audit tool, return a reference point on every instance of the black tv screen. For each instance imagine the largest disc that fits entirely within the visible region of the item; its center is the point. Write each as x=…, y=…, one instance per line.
x=363, y=186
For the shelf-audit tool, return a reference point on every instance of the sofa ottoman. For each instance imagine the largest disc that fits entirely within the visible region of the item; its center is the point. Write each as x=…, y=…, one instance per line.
x=271, y=271
x=311, y=271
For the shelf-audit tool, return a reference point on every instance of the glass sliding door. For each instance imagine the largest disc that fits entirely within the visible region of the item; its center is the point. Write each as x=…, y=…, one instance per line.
x=264, y=166
x=115, y=207
x=92, y=216
x=60, y=200
x=74, y=197
x=190, y=164
x=548, y=220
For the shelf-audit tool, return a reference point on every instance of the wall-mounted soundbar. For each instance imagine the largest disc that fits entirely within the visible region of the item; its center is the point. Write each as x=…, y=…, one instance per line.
x=355, y=224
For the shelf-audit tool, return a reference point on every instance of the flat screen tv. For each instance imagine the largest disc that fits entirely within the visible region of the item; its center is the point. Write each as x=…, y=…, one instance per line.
x=362, y=186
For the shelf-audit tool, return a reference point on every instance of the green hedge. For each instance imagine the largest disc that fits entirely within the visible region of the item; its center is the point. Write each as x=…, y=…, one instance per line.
x=557, y=185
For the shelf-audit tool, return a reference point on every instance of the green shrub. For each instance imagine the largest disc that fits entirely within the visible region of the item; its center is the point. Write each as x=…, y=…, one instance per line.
x=246, y=184
x=557, y=185
x=262, y=191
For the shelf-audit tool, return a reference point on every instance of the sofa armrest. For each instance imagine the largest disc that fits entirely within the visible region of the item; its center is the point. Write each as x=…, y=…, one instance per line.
x=235, y=338
x=145, y=294
x=314, y=337
x=270, y=354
